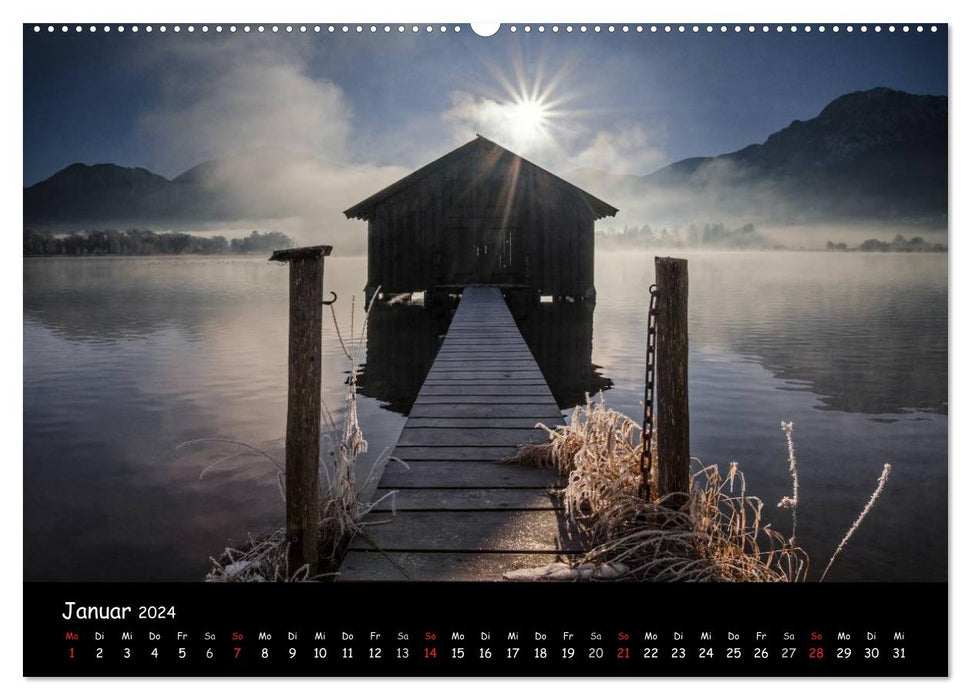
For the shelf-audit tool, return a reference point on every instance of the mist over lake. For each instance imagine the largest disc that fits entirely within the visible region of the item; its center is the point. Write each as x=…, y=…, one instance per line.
x=127, y=358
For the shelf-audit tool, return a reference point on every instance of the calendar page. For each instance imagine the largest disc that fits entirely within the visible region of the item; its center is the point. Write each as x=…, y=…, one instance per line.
x=437, y=349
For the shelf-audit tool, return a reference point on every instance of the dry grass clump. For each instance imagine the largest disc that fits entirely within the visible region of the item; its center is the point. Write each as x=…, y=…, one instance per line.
x=715, y=532
x=342, y=509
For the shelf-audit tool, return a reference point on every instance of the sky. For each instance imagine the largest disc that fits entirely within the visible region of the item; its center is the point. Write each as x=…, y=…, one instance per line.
x=384, y=104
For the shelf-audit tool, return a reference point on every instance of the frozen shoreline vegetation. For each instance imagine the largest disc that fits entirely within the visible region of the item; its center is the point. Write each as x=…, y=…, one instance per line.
x=715, y=532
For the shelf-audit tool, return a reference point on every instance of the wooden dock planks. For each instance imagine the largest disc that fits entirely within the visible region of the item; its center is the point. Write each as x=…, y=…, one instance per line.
x=457, y=513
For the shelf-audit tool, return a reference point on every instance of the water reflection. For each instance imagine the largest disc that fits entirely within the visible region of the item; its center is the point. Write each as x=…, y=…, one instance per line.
x=865, y=333
x=403, y=339
x=560, y=336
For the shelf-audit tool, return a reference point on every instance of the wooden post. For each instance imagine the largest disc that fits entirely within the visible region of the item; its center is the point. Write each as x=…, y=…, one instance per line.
x=673, y=451
x=303, y=402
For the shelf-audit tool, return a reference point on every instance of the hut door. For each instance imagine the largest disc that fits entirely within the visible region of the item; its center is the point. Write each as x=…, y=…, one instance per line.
x=493, y=254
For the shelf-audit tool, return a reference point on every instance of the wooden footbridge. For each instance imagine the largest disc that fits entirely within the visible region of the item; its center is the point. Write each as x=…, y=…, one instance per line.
x=457, y=513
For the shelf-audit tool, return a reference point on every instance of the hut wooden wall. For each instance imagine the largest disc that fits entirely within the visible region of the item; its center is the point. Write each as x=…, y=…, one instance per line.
x=423, y=236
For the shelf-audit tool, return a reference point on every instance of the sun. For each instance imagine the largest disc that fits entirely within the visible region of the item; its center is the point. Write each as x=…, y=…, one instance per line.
x=528, y=119
x=526, y=112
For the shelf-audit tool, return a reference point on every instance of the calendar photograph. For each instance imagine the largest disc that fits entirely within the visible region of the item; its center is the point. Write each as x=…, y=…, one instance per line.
x=418, y=309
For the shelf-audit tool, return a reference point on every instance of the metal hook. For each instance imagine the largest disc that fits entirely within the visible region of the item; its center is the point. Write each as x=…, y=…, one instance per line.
x=328, y=303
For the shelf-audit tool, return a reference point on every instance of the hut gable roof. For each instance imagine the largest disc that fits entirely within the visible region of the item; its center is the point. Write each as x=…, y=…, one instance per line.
x=480, y=148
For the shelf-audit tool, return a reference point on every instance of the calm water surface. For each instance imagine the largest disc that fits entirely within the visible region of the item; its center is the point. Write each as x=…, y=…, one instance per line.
x=126, y=359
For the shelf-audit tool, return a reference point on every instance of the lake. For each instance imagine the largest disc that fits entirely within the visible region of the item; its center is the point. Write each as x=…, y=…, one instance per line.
x=126, y=359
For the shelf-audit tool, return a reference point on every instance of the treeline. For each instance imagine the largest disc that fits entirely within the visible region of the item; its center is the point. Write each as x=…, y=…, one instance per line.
x=899, y=244
x=144, y=242
x=689, y=236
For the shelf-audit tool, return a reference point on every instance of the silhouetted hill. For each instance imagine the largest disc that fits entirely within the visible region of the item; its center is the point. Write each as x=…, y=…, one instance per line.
x=877, y=155
x=91, y=192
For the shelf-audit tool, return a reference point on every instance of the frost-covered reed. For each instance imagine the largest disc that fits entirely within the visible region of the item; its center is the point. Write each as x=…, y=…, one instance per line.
x=715, y=532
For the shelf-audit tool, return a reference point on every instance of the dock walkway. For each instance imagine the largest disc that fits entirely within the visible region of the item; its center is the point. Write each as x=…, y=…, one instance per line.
x=458, y=514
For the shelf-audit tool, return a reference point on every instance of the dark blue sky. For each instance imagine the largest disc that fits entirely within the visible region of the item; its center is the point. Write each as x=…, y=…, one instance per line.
x=634, y=101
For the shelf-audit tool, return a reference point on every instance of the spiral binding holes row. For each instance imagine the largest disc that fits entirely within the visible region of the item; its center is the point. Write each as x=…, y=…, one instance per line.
x=415, y=28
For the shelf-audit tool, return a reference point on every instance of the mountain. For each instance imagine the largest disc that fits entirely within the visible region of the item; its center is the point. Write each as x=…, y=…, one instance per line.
x=225, y=189
x=91, y=192
x=877, y=156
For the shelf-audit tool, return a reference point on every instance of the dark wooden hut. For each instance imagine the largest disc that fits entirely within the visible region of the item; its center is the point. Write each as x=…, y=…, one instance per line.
x=481, y=215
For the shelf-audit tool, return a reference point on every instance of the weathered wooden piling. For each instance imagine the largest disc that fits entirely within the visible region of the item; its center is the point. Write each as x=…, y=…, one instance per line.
x=673, y=450
x=303, y=401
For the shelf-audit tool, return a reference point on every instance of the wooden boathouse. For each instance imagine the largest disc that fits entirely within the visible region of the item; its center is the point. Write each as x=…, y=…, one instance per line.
x=482, y=215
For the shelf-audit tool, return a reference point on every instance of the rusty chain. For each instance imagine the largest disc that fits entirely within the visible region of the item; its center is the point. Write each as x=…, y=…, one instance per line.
x=647, y=429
